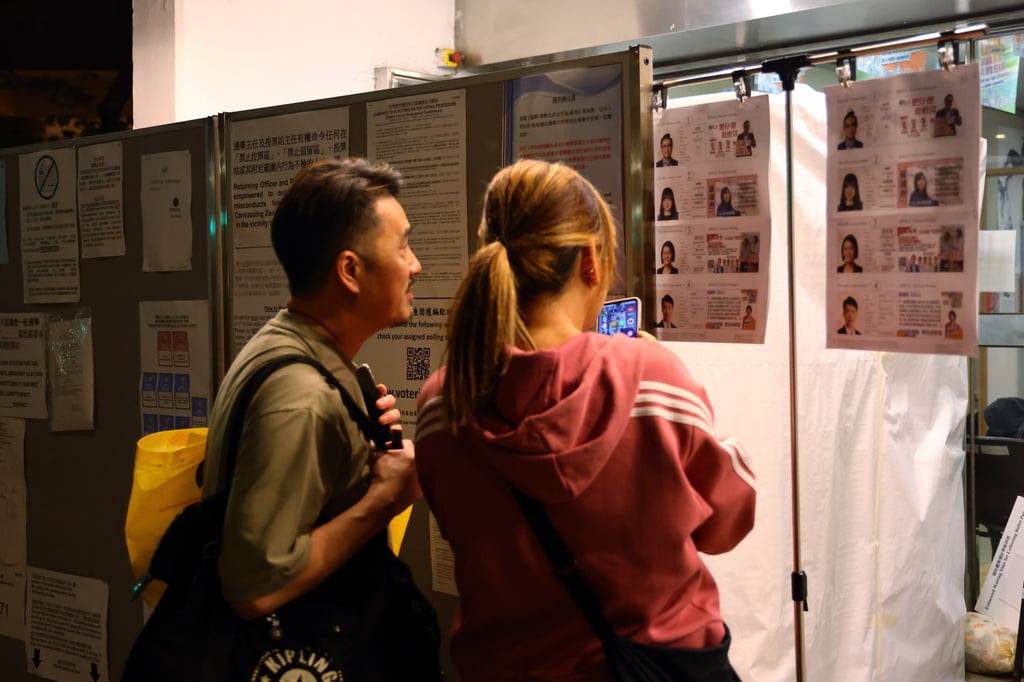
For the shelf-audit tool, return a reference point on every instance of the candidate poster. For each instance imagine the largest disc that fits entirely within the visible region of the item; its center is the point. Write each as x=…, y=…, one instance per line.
x=902, y=199
x=712, y=223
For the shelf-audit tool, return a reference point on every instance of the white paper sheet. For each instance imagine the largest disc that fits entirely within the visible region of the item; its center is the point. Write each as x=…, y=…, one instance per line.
x=266, y=154
x=49, y=227
x=901, y=251
x=12, y=601
x=66, y=626
x=174, y=343
x=22, y=366
x=712, y=254
x=13, y=517
x=442, y=561
x=101, y=200
x=1000, y=596
x=4, y=257
x=166, y=199
x=424, y=137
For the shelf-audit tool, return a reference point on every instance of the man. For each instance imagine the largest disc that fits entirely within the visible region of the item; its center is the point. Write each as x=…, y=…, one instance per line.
x=745, y=142
x=666, y=152
x=850, y=140
x=849, y=317
x=947, y=118
x=308, y=492
x=667, y=304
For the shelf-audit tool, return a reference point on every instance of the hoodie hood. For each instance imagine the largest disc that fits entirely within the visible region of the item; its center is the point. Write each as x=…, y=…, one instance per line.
x=558, y=414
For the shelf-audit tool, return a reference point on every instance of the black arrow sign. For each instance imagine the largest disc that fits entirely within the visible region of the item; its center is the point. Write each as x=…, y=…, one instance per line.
x=35, y=657
x=94, y=673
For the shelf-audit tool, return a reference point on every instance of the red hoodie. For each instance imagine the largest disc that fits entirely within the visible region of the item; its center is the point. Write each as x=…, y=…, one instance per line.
x=615, y=438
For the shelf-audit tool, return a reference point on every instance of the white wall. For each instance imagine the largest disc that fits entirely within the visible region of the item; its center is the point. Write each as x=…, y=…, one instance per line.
x=196, y=58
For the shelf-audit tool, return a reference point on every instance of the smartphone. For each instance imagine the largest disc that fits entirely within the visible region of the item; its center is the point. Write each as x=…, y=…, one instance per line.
x=383, y=437
x=620, y=316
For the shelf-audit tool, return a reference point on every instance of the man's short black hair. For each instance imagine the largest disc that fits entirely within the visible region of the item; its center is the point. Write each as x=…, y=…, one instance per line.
x=328, y=208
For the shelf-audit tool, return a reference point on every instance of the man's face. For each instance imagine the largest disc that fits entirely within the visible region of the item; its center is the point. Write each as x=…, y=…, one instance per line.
x=390, y=265
x=666, y=149
x=849, y=315
x=666, y=311
x=949, y=101
x=850, y=127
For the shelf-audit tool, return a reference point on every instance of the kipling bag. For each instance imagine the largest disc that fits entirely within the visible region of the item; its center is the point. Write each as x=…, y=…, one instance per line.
x=367, y=623
x=629, y=661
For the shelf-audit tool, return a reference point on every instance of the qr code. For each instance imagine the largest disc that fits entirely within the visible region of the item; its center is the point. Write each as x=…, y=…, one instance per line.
x=417, y=364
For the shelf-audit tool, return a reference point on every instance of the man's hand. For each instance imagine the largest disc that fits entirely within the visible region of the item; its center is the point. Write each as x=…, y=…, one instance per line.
x=386, y=404
x=394, y=484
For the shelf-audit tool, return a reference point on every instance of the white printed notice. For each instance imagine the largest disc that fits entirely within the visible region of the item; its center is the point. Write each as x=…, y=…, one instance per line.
x=442, y=561
x=13, y=519
x=903, y=212
x=175, y=348
x=100, y=200
x=266, y=154
x=72, y=383
x=166, y=198
x=66, y=626
x=22, y=366
x=4, y=256
x=575, y=117
x=424, y=137
x=1000, y=596
x=712, y=222
x=49, y=227
x=12, y=601
x=420, y=341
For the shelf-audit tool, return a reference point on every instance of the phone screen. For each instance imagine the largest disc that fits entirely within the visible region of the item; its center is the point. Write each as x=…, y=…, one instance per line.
x=620, y=316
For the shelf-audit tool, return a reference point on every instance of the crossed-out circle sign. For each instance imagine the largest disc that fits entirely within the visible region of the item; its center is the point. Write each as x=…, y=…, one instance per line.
x=47, y=177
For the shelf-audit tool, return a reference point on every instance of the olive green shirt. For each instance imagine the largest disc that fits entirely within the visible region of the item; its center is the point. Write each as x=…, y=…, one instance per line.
x=301, y=457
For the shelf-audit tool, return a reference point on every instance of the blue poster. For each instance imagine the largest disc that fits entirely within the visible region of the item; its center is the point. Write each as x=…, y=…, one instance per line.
x=3, y=213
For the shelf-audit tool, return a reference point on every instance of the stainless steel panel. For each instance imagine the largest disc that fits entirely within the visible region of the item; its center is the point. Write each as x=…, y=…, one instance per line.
x=698, y=34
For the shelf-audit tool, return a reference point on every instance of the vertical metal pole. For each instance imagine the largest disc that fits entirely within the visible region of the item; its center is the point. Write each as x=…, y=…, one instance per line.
x=787, y=69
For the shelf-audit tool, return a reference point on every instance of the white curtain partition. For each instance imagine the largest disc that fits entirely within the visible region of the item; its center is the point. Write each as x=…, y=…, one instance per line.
x=879, y=462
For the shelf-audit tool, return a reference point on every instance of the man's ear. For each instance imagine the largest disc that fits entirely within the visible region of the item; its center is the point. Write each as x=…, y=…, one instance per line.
x=348, y=269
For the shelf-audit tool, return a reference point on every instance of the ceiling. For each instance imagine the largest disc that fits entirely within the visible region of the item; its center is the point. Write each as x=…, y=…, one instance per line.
x=65, y=35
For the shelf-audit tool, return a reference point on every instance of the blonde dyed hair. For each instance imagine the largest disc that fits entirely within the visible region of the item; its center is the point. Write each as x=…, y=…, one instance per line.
x=537, y=218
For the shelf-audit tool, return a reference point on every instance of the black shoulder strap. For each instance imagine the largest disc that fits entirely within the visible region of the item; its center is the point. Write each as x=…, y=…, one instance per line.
x=565, y=566
x=253, y=384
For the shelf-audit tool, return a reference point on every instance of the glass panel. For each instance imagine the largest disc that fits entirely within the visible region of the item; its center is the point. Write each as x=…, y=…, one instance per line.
x=1002, y=125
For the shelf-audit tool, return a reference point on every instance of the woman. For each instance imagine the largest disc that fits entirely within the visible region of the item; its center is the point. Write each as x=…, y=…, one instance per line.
x=748, y=319
x=919, y=197
x=850, y=199
x=849, y=252
x=725, y=206
x=953, y=329
x=668, y=256
x=610, y=434
x=668, y=205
